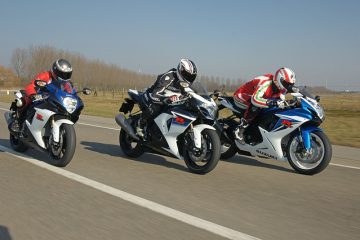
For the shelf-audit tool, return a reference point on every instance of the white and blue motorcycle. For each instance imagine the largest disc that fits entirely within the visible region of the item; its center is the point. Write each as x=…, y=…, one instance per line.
x=48, y=124
x=184, y=130
x=291, y=134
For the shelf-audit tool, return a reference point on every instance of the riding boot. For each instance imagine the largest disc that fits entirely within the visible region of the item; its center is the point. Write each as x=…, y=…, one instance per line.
x=239, y=131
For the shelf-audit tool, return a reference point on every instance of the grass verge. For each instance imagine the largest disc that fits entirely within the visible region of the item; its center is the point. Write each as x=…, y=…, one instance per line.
x=342, y=114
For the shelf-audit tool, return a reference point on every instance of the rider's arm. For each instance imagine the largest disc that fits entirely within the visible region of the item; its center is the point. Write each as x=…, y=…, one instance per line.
x=257, y=98
x=157, y=93
x=30, y=89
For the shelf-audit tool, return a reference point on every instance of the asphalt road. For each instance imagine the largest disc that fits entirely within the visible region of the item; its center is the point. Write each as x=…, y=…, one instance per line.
x=95, y=197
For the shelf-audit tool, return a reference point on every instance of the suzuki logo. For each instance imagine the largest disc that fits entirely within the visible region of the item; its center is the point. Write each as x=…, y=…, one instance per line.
x=265, y=154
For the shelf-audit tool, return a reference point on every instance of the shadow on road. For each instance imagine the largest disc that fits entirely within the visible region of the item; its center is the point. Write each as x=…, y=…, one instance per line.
x=4, y=233
x=109, y=149
x=253, y=162
x=32, y=153
x=115, y=151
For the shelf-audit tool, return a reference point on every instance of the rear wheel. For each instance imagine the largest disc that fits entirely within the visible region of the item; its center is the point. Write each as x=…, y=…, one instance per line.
x=228, y=150
x=61, y=153
x=203, y=160
x=130, y=146
x=228, y=146
x=312, y=162
x=17, y=144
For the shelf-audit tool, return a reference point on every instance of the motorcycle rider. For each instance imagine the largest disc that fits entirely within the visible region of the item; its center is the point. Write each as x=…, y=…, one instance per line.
x=60, y=71
x=164, y=90
x=262, y=92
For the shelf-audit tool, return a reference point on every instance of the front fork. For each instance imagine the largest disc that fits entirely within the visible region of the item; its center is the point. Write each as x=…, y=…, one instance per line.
x=305, y=137
x=55, y=128
x=197, y=129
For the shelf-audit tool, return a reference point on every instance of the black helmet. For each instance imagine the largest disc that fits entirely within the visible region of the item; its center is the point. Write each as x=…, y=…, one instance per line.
x=186, y=70
x=61, y=70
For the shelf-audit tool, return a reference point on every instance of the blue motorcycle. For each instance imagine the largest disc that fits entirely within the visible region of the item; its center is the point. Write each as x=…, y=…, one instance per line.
x=48, y=124
x=291, y=134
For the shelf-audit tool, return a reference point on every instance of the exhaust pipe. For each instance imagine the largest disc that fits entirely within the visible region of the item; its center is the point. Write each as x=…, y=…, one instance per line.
x=124, y=124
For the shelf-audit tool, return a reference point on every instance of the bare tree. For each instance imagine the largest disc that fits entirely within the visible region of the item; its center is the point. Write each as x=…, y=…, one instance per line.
x=90, y=73
x=18, y=62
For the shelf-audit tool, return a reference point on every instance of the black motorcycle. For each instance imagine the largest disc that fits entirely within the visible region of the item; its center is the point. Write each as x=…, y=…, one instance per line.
x=183, y=130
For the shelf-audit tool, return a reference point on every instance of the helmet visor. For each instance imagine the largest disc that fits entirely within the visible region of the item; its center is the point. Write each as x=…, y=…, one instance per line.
x=287, y=85
x=188, y=76
x=64, y=76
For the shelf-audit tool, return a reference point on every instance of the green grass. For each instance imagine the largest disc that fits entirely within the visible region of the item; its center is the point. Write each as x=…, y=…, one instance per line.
x=342, y=114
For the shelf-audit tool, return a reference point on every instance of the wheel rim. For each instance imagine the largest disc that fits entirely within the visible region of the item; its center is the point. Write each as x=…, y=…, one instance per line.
x=202, y=159
x=130, y=142
x=307, y=161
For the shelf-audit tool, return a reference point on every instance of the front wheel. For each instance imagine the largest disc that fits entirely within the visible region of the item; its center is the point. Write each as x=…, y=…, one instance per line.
x=312, y=162
x=62, y=152
x=203, y=160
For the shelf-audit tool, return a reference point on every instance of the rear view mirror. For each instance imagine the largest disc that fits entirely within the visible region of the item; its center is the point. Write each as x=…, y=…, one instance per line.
x=295, y=89
x=216, y=93
x=317, y=98
x=86, y=91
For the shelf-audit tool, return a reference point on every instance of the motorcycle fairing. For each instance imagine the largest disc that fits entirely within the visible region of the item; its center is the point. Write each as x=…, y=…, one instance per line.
x=174, y=130
x=271, y=144
x=38, y=122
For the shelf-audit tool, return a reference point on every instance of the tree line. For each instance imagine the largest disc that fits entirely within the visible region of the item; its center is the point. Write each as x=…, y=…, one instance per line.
x=27, y=62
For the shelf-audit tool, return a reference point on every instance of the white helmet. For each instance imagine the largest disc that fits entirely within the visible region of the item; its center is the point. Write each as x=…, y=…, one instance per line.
x=284, y=79
x=186, y=70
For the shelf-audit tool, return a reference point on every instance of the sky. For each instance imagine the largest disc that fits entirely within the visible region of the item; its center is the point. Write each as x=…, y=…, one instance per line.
x=318, y=39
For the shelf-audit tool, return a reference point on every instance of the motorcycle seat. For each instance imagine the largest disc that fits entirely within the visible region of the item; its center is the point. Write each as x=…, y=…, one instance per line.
x=231, y=101
x=135, y=95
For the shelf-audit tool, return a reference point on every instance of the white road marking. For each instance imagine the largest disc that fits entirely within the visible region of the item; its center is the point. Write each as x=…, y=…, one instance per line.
x=345, y=166
x=98, y=126
x=116, y=129
x=169, y=212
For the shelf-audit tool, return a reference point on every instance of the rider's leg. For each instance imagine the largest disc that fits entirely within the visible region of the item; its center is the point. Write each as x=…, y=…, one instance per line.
x=148, y=113
x=249, y=115
x=20, y=107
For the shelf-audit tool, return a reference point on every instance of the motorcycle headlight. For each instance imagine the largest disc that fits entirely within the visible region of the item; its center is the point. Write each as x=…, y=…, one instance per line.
x=70, y=104
x=319, y=109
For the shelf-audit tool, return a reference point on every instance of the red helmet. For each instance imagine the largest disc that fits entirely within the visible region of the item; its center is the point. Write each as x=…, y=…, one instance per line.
x=284, y=79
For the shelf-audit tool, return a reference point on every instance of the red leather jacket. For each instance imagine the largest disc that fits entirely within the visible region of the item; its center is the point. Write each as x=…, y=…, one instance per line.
x=257, y=92
x=45, y=76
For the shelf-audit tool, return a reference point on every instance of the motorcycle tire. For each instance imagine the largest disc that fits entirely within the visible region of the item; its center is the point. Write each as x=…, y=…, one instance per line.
x=67, y=149
x=17, y=144
x=126, y=145
x=214, y=158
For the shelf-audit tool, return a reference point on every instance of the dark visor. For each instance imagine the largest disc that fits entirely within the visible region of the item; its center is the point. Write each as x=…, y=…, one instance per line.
x=287, y=85
x=64, y=76
x=188, y=76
